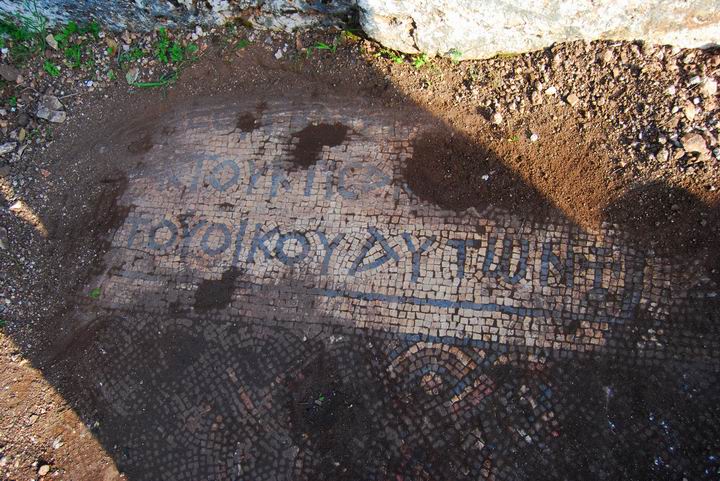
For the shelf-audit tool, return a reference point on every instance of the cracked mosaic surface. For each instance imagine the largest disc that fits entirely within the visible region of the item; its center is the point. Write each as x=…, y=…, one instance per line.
x=279, y=304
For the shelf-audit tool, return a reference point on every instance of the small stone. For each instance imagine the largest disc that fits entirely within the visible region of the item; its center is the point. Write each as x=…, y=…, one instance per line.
x=279, y=54
x=695, y=80
x=572, y=99
x=694, y=143
x=3, y=239
x=672, y=90
x=690, y=111
x=132, y=75
x=608, y=57
x=663, y=156
x=23, y=119
x=57, y=117
x=9, y=73
x=551, y=90
x=534, y=137
x=50, y=39
x=44, y=469
x=497, y=118
x=709, y=87
x=7, y=147
x=536, y=97
x=51, y=102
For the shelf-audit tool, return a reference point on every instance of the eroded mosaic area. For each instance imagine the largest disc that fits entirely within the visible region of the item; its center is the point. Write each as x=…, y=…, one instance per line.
x=280, y=304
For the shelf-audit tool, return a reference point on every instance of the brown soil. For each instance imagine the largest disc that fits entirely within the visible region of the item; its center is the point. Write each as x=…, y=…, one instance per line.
x=456, y=173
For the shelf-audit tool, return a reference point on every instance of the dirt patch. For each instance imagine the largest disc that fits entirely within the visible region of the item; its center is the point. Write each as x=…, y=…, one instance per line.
x=455, y=172
x=142, y=145
x=667, y=218
x=567, y=163
x=246, y=122
x=249, y=121
x=313, y=138
x=216, y=294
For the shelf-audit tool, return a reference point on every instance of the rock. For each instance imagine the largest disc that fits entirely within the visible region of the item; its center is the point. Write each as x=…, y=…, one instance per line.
x=23, y=119
x=709, y=87
x=50, y=39
x=536, y=97
x=497, y=118
x=43, y=112
x=551, y=90
x=7, y=147
x=44, y=469
x=690, y=111
x=572, y=99
x=534, y=137
x=50, y=109
x=484, y=29
x=132, y=75
x=4, y=245
x=55, y=116
x=51, y=102
x=9, y=73
x=278, y=54
x=662, y=156
x=608, y=57
x=694, y=143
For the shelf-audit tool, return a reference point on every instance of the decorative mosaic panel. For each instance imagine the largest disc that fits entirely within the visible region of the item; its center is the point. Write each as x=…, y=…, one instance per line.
x=279, y=304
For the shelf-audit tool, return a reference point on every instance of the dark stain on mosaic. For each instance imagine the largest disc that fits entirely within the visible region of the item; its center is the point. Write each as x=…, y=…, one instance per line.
x=216, y=294
x=311, y=140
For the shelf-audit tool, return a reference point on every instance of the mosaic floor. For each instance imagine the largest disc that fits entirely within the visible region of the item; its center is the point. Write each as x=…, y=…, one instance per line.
x=279, y=304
